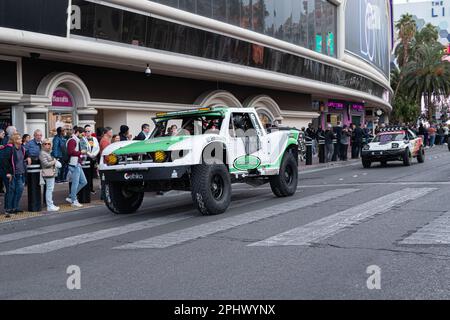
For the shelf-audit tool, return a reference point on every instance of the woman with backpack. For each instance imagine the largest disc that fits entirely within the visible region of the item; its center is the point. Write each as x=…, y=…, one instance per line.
x=59, y=151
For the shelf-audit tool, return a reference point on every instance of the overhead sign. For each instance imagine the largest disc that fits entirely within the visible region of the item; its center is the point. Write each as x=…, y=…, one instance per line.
x=62, y=98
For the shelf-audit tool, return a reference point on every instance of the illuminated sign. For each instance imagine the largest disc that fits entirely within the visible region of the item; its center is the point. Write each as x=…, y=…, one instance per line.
x=61, y=99
x=336, y=105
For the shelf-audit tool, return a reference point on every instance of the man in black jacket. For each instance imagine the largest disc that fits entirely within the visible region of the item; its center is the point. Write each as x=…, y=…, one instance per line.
x=144, y=134
x=358, y=135
x=337, y=130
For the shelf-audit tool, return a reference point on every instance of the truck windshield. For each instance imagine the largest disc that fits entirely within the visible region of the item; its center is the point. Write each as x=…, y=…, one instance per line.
x=188, y=125
x=386, y=138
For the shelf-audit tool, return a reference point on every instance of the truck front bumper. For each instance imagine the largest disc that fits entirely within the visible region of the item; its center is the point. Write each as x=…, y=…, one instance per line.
x=145, y=174
x=385, y=155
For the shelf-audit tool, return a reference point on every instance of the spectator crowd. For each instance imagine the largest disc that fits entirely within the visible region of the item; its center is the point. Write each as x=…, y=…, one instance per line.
x=60, y=160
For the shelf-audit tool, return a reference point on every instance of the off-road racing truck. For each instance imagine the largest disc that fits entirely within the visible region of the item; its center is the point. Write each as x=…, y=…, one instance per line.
x=203, y=151
x=393, y=144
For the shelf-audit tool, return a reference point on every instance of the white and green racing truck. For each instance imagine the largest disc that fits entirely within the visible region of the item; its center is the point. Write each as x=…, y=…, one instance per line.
x=203, y=151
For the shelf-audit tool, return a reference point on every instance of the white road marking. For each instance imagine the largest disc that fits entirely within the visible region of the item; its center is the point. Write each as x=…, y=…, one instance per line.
x=203, y=230
x=331, y=225
x=111, y=232
x=435, y=233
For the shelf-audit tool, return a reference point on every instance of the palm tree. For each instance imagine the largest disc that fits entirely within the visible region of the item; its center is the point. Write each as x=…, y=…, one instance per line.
x=428, y=75
x=407, y=29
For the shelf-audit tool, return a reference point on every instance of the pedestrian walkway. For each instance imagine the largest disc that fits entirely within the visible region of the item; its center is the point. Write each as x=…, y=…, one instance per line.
x=192, y=228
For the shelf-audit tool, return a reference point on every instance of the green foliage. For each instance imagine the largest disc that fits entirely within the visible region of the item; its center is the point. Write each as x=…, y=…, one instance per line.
x=421, y=73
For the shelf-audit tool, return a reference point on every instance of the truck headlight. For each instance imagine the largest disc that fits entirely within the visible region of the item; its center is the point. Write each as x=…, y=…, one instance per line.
x=366, y=147
x=159, y=156
x=111, y=159
x=395, y=146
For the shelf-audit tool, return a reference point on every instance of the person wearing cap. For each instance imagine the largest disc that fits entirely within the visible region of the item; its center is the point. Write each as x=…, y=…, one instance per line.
x=124, y=133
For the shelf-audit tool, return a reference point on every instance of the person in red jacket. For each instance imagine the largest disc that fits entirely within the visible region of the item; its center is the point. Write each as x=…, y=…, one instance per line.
x=76, y=157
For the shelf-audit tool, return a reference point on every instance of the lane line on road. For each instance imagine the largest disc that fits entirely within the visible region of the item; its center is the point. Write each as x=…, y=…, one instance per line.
x=324, y=228
x=435, y=233
x=203, y=230
x=107, y=233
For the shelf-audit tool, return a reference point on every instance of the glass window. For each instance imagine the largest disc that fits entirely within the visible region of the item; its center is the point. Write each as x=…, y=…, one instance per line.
x=134, y=28
x=187, y=5
x=204, y=8
x=269, y=12
x=172, y=3
x=258, y=16
x=234, y=12
x=108, y=23
x=220, y=10
x=246, y=14
x=87, y=18
x=296, y=14
x=157, y=34
x=283, y=19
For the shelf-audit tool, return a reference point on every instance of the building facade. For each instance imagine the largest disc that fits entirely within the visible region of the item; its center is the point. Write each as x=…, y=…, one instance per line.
x=67, y=62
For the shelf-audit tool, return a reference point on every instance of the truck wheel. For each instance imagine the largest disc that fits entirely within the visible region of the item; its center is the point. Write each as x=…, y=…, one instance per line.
x=407, y=158
x=285, y=184
x=120, y=199
x=211, y=188
x=421, y=155
x=367, y=164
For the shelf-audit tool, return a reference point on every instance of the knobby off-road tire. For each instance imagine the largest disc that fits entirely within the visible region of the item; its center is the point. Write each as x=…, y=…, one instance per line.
x=366, y=164
x=285, y=184
x=421, y=155
x=211, y=188
x=121, y=200
x=407, y=158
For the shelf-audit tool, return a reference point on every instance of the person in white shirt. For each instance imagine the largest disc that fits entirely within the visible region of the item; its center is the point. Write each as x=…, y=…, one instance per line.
x=92, y=151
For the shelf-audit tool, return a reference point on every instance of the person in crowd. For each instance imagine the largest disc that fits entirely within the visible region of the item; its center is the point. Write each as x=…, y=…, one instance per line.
x=345, y=141
x=99, y=133
x=76, y=158
x=337, y=130
x=92, y=149
x=441, y=134
x=173, y=130
x=59, y=151
x=35, y=145
x=10, y=131
x=25, y=139
x=311, y=133
x=48, y=165
x=2, y=135
x=357, y=138
x=124, y=133
x=422, y=132
x=115, y=138
x=329, y=146
x=14, y=160
x=446, y=132
x=144, y=134
x=432, y=135
x=106, y=138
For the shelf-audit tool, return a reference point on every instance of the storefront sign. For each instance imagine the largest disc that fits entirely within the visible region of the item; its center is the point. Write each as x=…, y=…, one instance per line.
x=358, y=107
x=336, y=105
x=61, y=99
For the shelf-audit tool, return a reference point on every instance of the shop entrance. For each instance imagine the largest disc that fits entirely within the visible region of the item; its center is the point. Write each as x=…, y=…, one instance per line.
x=61, y=113
x=356, y=120
x=334, y=119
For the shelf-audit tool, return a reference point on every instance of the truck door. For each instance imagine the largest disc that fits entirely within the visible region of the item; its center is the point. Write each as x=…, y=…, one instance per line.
x=245, y=136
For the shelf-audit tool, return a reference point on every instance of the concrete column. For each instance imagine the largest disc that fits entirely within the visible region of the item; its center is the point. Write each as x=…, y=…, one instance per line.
x=86, y=117
x=35, y=118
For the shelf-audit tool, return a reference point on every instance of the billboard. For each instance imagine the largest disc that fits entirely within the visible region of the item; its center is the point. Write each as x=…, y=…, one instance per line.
x=367, y=35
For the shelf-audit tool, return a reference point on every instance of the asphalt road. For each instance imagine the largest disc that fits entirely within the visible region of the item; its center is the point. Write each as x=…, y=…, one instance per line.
x=315, y=245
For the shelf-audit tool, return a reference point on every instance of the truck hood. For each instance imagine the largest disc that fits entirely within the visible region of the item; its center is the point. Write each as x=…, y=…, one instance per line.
x=165, y=144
